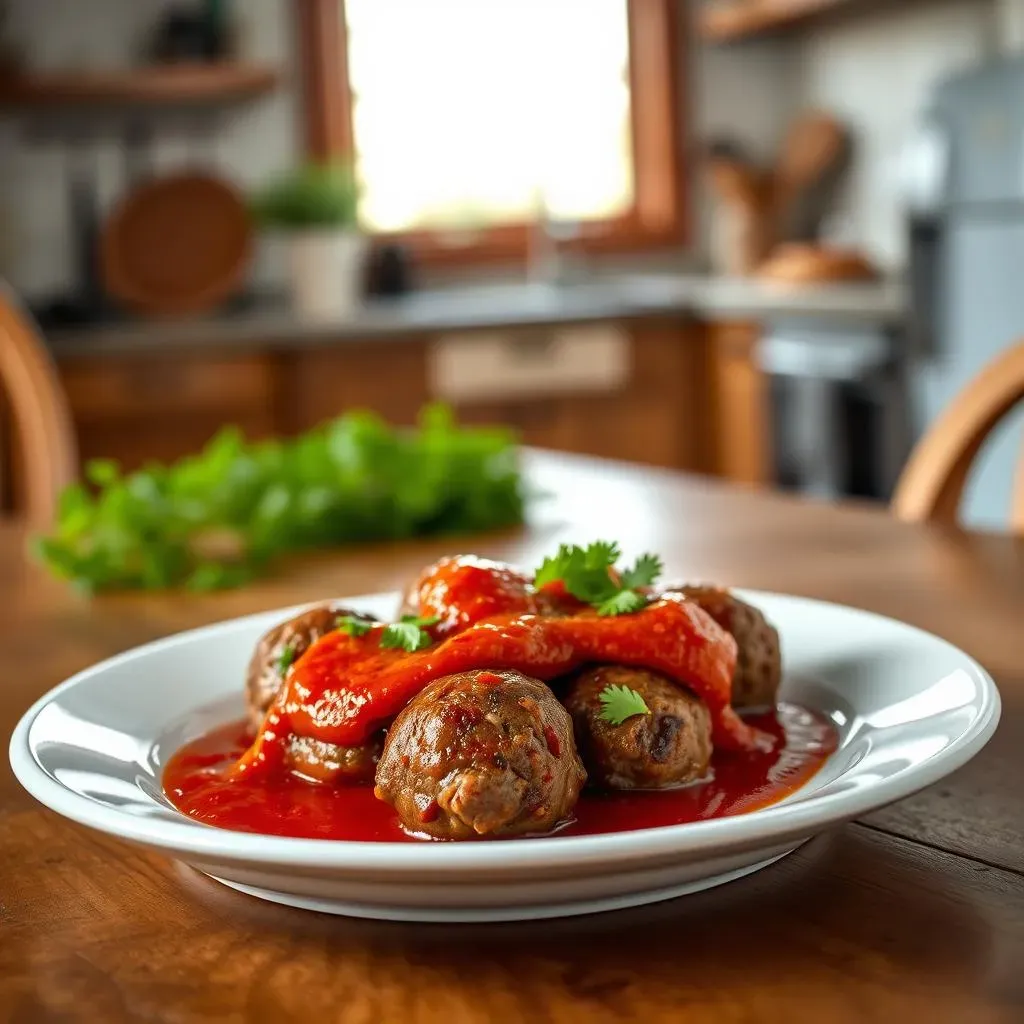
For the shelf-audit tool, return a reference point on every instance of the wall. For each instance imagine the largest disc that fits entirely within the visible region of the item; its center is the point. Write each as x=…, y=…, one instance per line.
x=876, y=70
x=246, y=144
x=745, y=92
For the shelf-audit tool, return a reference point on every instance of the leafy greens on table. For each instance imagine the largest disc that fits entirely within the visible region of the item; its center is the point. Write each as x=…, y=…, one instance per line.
x=216, y=519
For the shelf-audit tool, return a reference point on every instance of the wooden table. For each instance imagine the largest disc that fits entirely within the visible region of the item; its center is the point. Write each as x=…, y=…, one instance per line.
x=916, y=912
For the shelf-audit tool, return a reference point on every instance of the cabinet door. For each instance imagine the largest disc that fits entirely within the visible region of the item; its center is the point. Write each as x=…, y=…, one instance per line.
x=144, y=408
x=387, y=376
x=739, y=403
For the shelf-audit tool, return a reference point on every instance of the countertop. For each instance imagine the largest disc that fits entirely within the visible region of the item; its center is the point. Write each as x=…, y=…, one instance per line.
x=627, y=296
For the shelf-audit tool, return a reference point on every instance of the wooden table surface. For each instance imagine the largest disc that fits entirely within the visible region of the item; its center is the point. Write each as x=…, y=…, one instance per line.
x=916, y=912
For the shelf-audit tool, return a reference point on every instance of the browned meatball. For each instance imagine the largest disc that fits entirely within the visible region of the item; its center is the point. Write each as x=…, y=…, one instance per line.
x=269, y=662
x=759, y=654
x=481, y=754
x=330, y=763
x=668, y=747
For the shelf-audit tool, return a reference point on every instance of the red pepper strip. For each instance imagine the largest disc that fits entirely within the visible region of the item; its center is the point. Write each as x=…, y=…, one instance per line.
x=344, y=689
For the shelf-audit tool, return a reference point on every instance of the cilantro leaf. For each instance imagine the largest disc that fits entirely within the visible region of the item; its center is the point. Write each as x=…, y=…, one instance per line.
x=553, y=568
x=622, y=603
x=405, y=635
x=619, y=703
x=588, y=575
x=423, y=622
x=585, y=572
x=353, y=626
x=644, y=572
x=353, y=480
x=285, y=659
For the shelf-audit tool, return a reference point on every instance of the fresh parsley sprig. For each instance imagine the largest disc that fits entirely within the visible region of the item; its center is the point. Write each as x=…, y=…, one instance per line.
x=353, y=626
x=589, y=574
x=285, y=659
x=410, y=634
x=620, y=703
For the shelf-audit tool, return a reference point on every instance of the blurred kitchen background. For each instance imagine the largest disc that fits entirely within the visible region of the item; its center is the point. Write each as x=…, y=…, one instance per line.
x=765, y=240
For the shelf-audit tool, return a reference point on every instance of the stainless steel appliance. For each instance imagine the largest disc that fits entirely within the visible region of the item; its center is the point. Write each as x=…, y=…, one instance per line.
x=964, y=177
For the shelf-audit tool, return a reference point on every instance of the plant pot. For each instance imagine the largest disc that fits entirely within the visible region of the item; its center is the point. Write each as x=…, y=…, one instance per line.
x=326, y=273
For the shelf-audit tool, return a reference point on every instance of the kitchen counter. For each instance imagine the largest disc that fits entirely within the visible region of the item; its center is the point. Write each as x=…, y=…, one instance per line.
x=627, y=296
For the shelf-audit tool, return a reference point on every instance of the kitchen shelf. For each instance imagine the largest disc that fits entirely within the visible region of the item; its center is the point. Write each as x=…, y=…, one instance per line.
x=172, y=85
x=727, y=20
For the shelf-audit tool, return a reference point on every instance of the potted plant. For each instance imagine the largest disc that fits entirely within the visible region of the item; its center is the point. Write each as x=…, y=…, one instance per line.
x=317, y=207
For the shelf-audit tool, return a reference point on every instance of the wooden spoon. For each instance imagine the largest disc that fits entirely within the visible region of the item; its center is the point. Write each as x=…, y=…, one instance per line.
x=814, y=145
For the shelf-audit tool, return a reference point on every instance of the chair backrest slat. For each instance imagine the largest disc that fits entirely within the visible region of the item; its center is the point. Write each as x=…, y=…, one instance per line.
x=932, y=485
x=39, y=413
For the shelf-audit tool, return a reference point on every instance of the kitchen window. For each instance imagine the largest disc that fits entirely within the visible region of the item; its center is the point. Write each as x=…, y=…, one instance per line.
x=468, y=121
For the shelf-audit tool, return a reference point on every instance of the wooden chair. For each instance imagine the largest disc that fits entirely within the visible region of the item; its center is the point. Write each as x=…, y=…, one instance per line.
x=933, y=482
x=43, y=452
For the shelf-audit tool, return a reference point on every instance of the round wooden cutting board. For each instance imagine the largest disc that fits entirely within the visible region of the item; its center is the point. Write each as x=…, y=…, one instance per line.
x=176, y=244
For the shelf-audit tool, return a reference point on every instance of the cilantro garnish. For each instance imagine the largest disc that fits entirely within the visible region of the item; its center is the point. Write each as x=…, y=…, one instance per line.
x=589, y=575
x=353, y=626
x=619, y=703
x=285, y=659
x=410, y=634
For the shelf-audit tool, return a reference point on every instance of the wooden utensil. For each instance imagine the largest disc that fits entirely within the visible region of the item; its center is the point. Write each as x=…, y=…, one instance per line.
x=744, y=193
x=814, y=146
x=178, y=244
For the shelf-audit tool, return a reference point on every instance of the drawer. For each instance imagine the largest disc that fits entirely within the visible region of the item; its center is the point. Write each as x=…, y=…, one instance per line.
x=140, y=386
x=500, y=365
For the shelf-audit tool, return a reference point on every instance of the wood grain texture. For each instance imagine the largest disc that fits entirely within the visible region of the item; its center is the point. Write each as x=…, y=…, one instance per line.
x=917, y=914
x=932, y=485
x=37, y=411
x=190, y=84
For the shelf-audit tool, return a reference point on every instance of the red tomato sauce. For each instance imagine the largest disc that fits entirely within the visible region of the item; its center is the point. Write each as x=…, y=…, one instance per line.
x=198, y=782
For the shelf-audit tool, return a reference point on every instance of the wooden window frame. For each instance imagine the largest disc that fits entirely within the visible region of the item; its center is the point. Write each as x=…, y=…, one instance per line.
x=659, y=216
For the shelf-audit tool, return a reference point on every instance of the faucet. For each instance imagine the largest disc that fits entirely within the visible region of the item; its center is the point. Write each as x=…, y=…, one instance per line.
x=546, y=264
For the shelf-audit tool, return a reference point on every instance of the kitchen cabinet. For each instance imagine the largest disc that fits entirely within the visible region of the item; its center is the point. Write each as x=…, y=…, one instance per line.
x=663, y=391
x=739, y=398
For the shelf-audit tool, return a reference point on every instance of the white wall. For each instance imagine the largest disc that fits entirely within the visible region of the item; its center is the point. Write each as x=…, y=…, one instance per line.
x=744, y=92
x=245, y=145
x=875, y=71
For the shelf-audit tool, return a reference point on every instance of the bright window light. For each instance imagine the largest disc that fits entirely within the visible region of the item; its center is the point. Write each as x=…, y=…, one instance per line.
x=473, y=113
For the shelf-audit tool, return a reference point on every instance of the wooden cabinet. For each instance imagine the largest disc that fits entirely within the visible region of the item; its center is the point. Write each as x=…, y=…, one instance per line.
x=143, y=407
x=666, y=392
x=739, y=410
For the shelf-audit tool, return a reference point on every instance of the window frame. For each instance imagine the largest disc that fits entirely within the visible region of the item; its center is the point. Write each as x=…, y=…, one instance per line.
x=659, y=216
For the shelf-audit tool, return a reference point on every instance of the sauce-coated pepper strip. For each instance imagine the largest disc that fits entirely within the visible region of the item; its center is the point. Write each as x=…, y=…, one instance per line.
x=343, y=689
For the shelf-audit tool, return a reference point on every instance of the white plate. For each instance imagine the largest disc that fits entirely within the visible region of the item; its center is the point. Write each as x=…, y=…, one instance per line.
x=909, y=707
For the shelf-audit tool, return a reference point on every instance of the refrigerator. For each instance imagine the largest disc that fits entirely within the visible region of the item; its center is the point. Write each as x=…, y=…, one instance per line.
x=967, y=259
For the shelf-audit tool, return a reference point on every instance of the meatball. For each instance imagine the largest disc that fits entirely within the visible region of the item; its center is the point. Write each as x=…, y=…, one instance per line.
x=759, y=654
x=668, y=747
x=331, y=763
x=266, y=668
x=481, y=754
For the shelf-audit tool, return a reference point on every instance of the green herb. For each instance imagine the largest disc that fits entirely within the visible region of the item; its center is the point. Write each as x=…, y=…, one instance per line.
x=317, y=195
x=285, y=659
x=589, y=575
x=619, y=703
x=622, y=603
x=219, y=518
x=410, y=634
x=353, y=626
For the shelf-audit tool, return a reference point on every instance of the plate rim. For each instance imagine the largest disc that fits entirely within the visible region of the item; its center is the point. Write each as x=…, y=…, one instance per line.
x=776, y=823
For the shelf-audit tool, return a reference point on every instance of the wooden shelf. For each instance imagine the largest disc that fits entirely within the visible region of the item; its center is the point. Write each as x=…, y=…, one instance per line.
x=727, y=20
x=172, y=85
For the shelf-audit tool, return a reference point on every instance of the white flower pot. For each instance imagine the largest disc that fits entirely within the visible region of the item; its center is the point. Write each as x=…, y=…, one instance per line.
x=326, y=273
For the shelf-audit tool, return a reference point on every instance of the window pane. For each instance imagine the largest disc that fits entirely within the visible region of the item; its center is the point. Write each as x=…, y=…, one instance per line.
x=470, y=113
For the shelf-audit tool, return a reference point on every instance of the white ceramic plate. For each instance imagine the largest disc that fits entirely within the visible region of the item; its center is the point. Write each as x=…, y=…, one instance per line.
x=909, y=708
